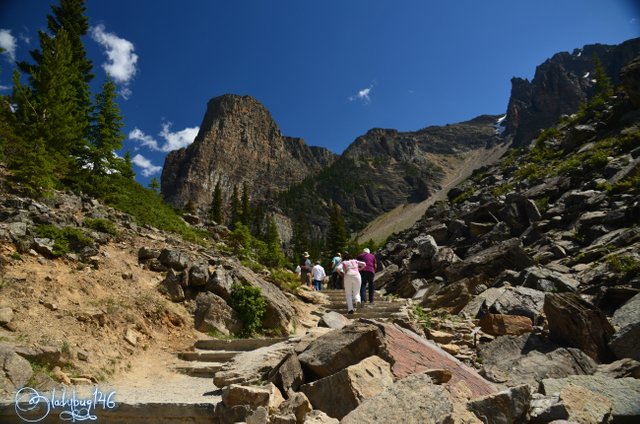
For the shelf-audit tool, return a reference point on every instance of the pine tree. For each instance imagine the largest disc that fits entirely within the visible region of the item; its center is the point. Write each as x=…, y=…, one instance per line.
x=69, y=17
x=300, y=239
x=235, y=207
x=337, y=233
x=604, y=87
x=59, y=122
x=125, y=167
x=154, y=185
x=245, y=212
x=274, y=256
x=216, y=205
x=106, y=135
x=258, y=219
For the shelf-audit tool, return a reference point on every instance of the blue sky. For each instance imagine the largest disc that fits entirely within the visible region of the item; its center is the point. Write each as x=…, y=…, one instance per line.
x=326, y=70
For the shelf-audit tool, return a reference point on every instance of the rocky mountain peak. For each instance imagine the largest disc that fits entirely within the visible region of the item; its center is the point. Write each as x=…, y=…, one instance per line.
x=560, y=85
x=239, y=144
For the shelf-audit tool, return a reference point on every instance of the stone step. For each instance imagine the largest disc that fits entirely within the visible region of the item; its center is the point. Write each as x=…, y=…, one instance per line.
x=370, y=314
x=208, y=356
x=391, y=307
x=125, y=412
x=236, y=344
x=199, y=369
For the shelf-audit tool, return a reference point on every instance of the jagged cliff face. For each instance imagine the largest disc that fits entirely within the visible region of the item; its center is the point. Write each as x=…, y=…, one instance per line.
x=559, y=86
x=238, y=143
x=386, y=168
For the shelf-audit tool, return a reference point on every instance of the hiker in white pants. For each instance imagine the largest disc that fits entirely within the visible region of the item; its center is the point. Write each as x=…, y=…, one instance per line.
x=350, y=270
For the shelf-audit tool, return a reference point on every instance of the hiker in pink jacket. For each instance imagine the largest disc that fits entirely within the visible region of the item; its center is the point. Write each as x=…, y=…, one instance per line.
x=350, y=270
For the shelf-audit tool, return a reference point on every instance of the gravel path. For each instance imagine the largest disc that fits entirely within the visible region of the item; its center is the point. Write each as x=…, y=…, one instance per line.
x=151, y=380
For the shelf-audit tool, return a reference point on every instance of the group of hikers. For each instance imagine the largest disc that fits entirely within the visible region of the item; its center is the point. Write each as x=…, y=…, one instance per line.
x=354, y=275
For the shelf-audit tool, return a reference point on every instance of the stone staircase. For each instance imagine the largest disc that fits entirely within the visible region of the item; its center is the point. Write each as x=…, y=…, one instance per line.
x=382, y=308
x=209, y=355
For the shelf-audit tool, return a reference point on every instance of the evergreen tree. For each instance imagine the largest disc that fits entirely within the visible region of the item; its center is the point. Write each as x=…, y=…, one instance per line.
x=154, y=185
x=125, y=167
x=58, y=121
x=69, y=17
x=245, y=212
x=274, y=256
x=107, y=135
x=604, y=87
x=216, y=205
x=27, y=152
x=337, y=233
x=258, y=219
x=235, y=207
x=300, y=238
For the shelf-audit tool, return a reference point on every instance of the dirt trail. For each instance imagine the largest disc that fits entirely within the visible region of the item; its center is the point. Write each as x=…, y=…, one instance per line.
x=151, y=379
x=460, y=167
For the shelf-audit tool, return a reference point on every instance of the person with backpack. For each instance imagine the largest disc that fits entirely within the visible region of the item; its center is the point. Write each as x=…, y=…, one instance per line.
x=305, y=270
x=367, y=274
x=349, y=269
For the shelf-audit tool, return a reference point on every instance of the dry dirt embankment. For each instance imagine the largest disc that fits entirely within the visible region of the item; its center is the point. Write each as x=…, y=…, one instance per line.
x=458, y=167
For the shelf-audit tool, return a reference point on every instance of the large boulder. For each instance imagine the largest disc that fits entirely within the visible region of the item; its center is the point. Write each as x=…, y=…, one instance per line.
x=288, y=375
x=491, y=262
x=339, y=349
x=15, y=371
x=214, y=315
x=622, y=393
x=510, y=406
x=409, y=353
x=412, y=400
x=279, y=311
x=625, y=343
x=253, y=366
x=528, y=359
x=340, y=393
x=575, y=322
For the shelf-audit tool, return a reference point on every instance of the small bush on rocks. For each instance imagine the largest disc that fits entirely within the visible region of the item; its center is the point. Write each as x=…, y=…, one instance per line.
x=249, y=303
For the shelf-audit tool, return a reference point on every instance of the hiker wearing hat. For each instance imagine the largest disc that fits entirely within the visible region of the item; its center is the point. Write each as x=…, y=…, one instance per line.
x=305, y=270
x=367, y=274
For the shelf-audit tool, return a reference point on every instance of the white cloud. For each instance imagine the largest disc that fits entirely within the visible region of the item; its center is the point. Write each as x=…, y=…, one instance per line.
x=5, y=88
x=172, y=140
x=8, y=42
x=122, y=60
x=363, y=94
x=148, y=168
x=177, y=140
x=145, y=140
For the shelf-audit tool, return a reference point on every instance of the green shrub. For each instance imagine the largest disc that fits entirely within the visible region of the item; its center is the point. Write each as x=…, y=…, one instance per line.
x=144, y=205
x=249, y=303
x=597, y=160
x=102, y=225
x=542, y=204
x=285, y=280
x=628, y=266
x=65, y=239
x=422, y=316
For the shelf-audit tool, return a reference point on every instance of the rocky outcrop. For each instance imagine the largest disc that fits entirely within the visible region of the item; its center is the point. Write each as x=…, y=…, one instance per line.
x=238, y=143
x=385, y=168
x=560, y=85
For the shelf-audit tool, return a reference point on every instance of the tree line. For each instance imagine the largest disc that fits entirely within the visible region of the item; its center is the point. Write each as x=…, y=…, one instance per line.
x=53, y=133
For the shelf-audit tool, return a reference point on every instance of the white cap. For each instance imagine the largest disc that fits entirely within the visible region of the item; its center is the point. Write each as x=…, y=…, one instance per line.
x=366, y=250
